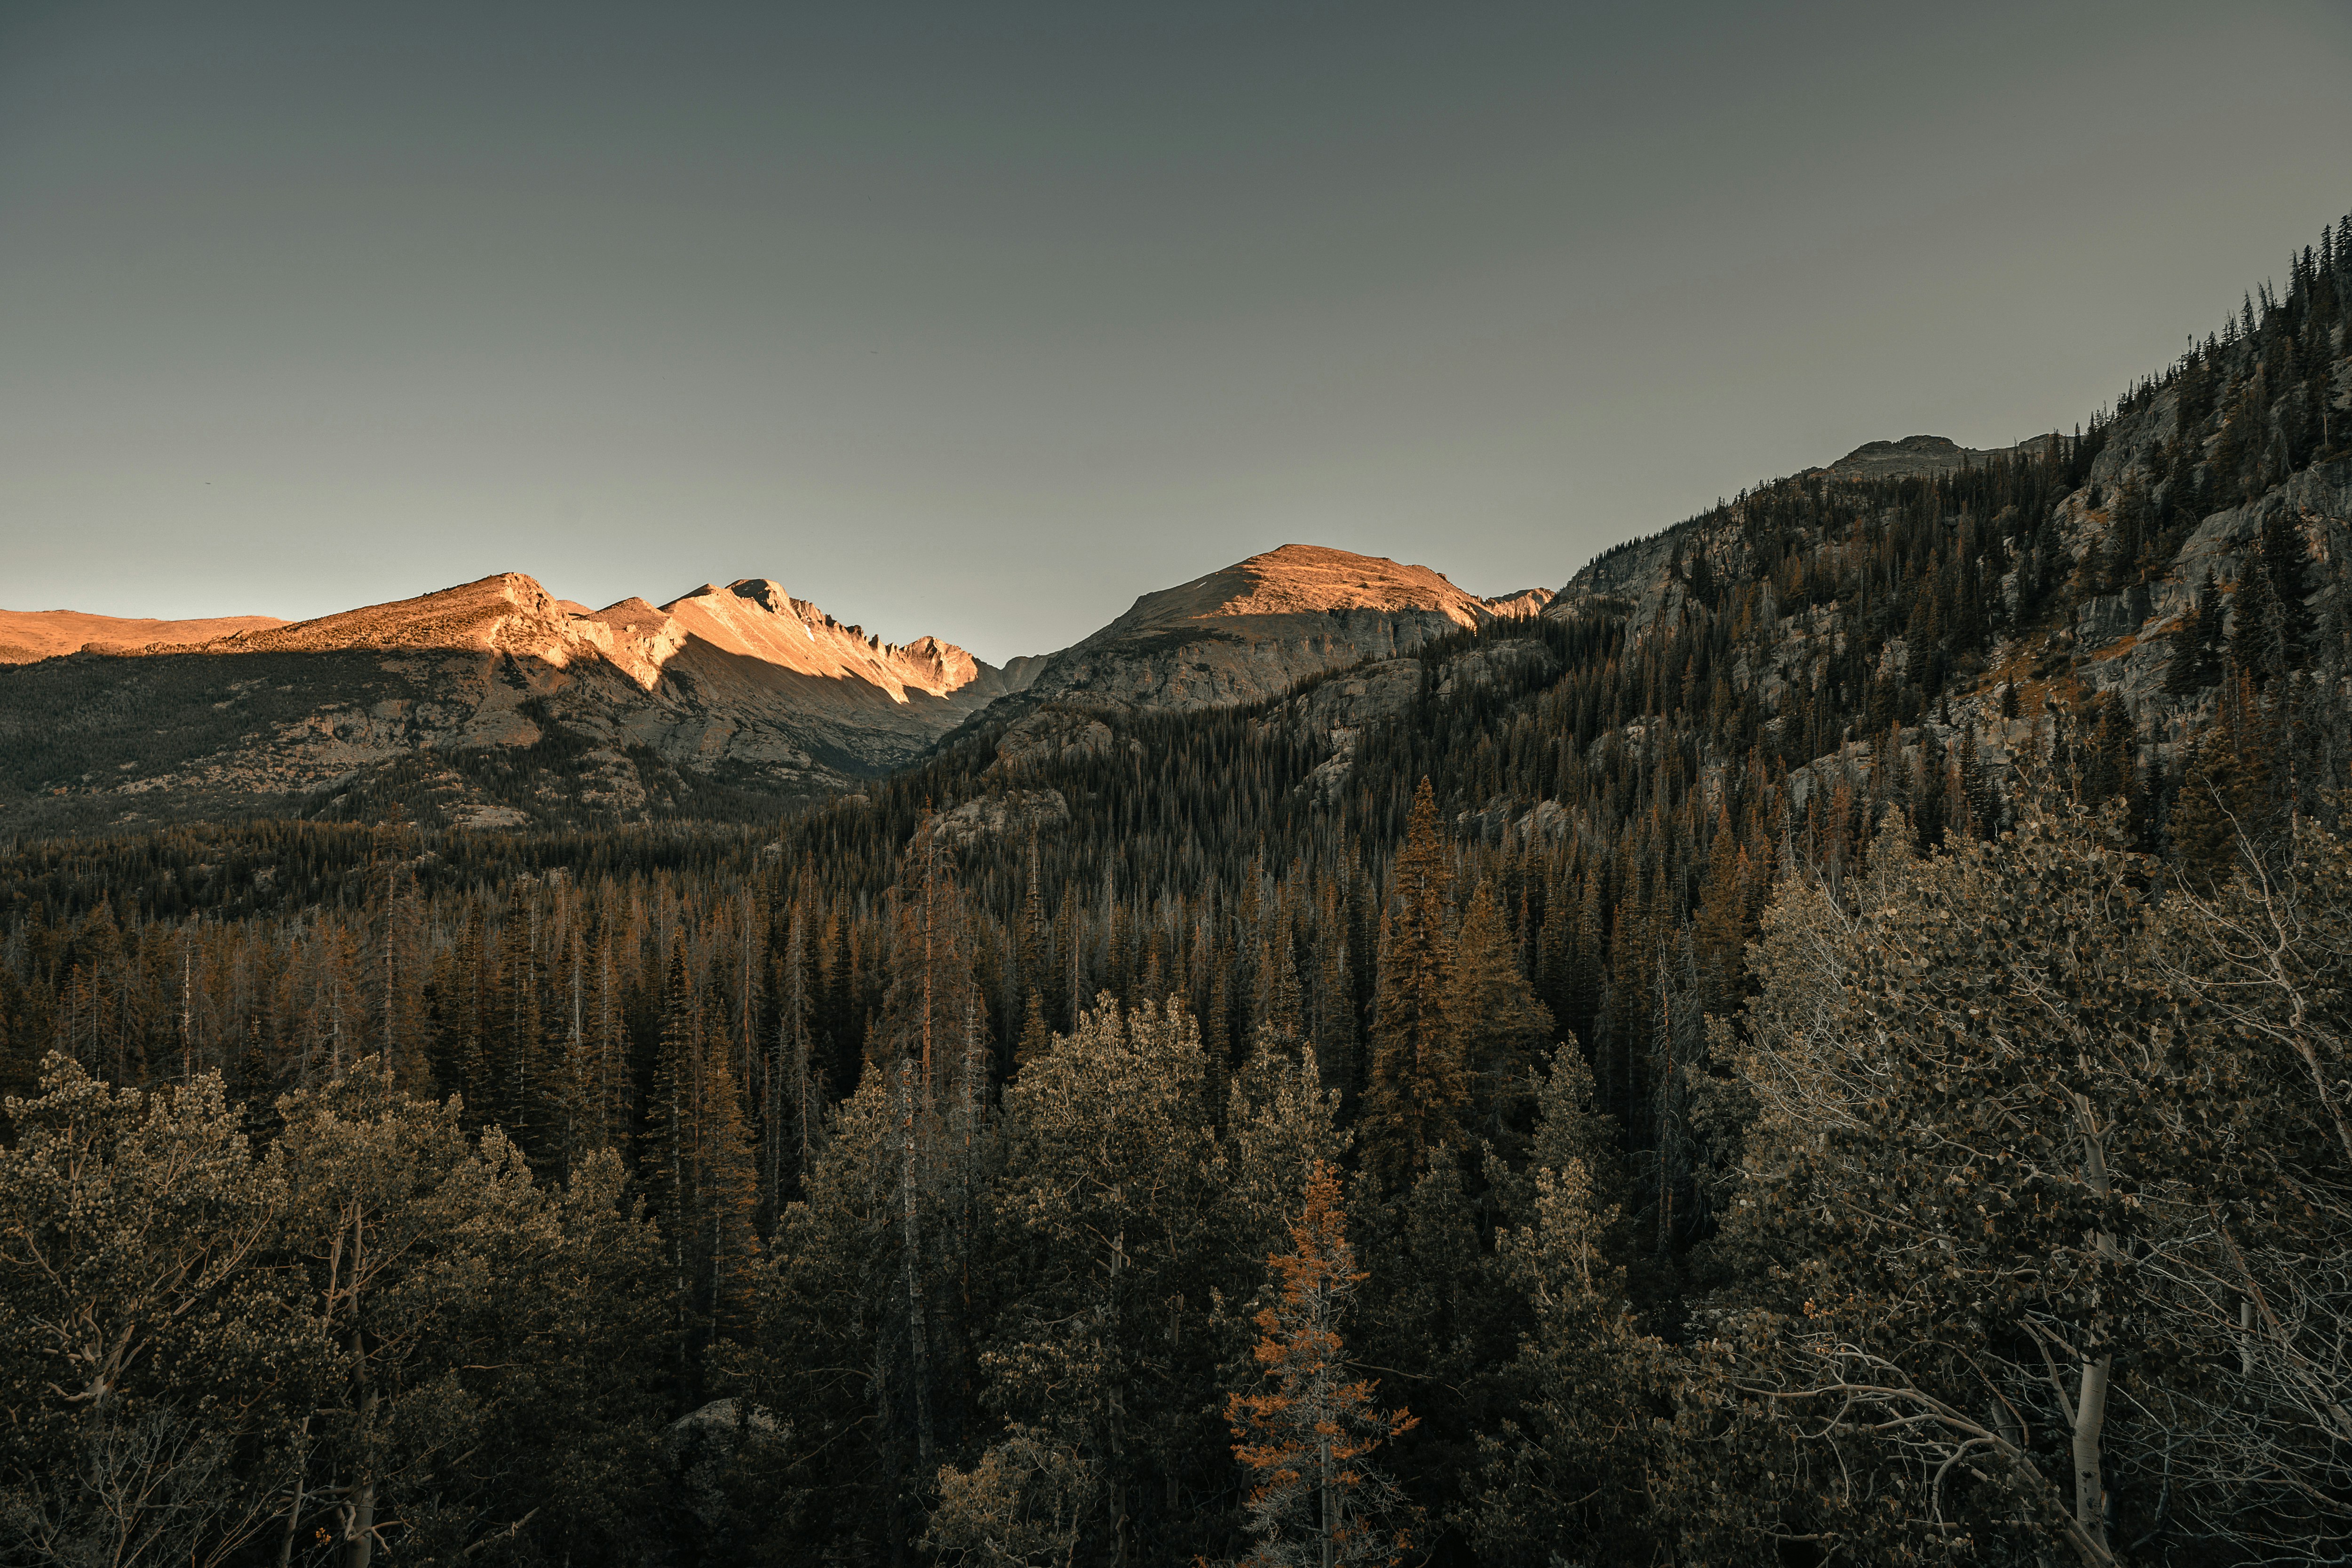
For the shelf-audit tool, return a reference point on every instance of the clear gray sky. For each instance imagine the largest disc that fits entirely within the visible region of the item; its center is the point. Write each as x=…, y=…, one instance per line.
x=981, y=319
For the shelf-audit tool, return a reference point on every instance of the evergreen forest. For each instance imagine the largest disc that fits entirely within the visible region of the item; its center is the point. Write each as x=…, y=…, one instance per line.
x=1777, y=1061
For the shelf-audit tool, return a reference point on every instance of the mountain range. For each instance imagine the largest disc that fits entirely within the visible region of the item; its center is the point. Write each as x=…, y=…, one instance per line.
x=493, y=704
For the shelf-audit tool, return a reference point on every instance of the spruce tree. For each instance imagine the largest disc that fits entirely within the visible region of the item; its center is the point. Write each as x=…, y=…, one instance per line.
x=1499, y=1028
x=2197, y=644
x=1419, y=1087
x=2285, y=564
x=1036, y=1039
x=725, y=1196
x=2258, y=643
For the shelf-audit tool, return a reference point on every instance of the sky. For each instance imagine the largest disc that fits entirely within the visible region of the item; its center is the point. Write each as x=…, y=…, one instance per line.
x=980, y=320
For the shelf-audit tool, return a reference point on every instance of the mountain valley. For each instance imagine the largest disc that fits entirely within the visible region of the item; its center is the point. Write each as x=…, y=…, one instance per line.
x=1822, y=1040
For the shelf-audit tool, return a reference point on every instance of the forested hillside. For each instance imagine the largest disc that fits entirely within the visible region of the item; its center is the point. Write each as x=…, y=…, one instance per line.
x=1827, y=1044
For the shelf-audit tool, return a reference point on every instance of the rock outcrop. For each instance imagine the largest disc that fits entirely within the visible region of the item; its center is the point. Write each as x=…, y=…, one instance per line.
x=1012, y=814
x=1916, y=456
x=1338, y=711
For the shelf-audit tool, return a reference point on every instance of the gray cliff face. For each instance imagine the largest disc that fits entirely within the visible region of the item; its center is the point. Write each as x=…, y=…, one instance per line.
x=2123, y=642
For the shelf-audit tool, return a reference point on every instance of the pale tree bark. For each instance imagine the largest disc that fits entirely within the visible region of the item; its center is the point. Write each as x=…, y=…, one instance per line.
x=1873, y=1397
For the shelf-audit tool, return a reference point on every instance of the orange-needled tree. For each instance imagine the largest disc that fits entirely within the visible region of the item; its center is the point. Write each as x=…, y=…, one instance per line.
x=1308, y=1440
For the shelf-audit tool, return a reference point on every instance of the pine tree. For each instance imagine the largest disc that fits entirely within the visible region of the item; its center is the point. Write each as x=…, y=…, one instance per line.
x=1335, y=1001
x=575, y=1129
x=1499, y=1028
x=1306, y=1442
x=2285, y=563
x=2196, y=644
x=1419, y=1088
x=397, y=984
x=1036, y=1039
x=725, y=1196
x=1584, y=1458
x=2259, y=642
x=669, y=1162
x=1720, y=930
x=515, y=1049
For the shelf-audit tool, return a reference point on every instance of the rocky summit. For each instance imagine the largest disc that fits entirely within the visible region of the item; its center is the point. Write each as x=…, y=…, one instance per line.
x=1253, y=630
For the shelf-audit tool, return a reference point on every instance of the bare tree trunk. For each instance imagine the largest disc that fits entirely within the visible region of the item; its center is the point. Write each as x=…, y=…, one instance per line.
x=294, y=1508
x=2090, y=1413
x=1329, y=1501
x=931, y=886
x=1665, y=1113
x=918, y=1355
x=188, y=1021
x=2090, y=1421
x=390, y=972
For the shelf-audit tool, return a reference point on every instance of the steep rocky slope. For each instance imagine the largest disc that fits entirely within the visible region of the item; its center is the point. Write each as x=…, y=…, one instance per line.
x=1917, y=605
x=491, y=702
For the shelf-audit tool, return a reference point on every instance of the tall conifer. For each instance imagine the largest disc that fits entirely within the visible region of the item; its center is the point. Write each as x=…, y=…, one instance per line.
x=1419, y=1089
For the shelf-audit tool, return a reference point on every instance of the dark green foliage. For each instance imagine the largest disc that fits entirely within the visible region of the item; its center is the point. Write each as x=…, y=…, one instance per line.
x=2196, y=644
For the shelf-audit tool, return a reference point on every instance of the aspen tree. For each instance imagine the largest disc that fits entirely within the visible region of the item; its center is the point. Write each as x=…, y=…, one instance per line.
x=1980, y=1139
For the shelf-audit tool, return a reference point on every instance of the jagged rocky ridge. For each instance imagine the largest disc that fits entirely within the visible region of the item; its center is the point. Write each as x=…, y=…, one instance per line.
x=494, y=704
x=489, y=704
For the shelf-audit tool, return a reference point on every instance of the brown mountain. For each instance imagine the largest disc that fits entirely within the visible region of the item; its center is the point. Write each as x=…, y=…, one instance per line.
x=493, y=703
x=490, y=702
x=28, y=635
x=1258, y=627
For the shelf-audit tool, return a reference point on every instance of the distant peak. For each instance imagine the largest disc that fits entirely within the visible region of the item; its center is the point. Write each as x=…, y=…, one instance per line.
x=1303, y=580
x=1520, y=603
x=1918, y=455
